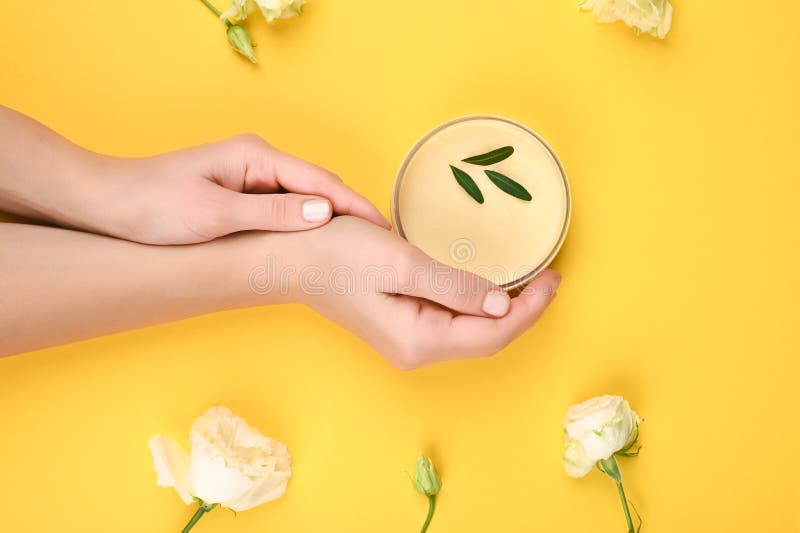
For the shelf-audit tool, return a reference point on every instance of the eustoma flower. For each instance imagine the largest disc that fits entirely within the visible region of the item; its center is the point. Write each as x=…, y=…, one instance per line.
x=271, y=9
x=649, y=16
x=428, y=483
x=238, y=36
x=230, y=464
x=595, y=433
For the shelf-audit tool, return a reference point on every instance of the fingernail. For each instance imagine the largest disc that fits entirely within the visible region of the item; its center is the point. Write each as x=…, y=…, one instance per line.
x=496, y=303
x=554, y=286
x=316, y=210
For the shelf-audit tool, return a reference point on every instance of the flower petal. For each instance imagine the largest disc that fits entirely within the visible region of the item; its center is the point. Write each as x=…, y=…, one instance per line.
x=264, y=490
x=210, y=478
x=270, y=482
x=280, y=9
x=238, y=10
x=650, y=16
x=576, y=463
x=591, y=414
x=171, y=463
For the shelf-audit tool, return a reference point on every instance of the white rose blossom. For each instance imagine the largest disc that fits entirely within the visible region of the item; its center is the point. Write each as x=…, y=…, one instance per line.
x=649, y=16
x=595, y=430
x=595, y=433
x=230, y=464
x=271, y=9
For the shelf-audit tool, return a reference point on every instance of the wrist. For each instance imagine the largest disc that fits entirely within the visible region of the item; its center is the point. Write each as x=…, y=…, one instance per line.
x=85, y=193
x=264, y=270
x=106, y=197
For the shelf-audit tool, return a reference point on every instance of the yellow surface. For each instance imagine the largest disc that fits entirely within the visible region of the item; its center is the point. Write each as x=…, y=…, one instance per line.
x=680, y=272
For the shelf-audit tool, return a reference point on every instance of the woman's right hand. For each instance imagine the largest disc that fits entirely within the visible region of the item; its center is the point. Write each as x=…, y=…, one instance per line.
x=410, y=308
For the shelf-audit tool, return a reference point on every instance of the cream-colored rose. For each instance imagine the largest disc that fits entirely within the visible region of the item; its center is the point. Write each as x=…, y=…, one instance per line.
x=271, y=9
x=595, y=430
x=229, y=463
x=649, y=16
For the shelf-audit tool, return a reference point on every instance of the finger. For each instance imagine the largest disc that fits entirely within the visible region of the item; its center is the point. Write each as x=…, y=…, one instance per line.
x=455, y=289
x=246, y=163
x=276, y=212
x=531, y=303
x=296, y=175
x=470, y=336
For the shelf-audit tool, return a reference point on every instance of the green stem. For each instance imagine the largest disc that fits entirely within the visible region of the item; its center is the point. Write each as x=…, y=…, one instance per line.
x=203, y=509
x=625, y=507
x=431, y=507
x=217, y=12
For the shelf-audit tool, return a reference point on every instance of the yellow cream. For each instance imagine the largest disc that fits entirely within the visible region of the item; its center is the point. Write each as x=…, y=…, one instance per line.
x=505, y=239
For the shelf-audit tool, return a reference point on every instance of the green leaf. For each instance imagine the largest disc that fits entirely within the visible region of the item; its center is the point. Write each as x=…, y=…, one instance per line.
x=628, y=453
x=509, y=186
x=490, y=158
x=467, y=183
x=638, y=516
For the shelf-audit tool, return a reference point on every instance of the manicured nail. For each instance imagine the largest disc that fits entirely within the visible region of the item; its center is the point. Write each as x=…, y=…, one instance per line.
x=496, y=303
x=316, y=210
x=554, y=287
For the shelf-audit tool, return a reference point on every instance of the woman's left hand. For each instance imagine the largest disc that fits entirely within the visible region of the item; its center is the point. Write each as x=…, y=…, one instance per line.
x=187, y=196
x=201, y=193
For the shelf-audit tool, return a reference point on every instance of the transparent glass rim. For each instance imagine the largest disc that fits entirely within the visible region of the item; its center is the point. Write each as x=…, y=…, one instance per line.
x=395, y=204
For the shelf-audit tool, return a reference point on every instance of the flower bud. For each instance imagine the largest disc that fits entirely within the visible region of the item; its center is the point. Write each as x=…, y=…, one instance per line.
x=426, y=481
x=239, y=38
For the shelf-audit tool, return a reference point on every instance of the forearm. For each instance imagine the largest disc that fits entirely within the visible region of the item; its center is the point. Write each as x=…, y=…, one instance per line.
x=43, y=175
x=59, y=286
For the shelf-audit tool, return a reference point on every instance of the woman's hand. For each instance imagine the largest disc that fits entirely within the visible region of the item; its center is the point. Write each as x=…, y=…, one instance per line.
x=188, y=196
x=410, y=308
x=201, y=193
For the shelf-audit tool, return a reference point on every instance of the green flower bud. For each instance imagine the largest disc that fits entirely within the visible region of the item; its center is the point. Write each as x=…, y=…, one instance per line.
x=426, y=481
x=240, y=40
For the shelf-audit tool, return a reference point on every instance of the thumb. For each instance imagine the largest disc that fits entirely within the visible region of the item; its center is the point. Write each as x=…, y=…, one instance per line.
x=278, y=212
x=459, y=290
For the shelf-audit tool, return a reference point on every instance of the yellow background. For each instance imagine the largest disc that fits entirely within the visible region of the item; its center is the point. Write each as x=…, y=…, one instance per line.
x=680, y=270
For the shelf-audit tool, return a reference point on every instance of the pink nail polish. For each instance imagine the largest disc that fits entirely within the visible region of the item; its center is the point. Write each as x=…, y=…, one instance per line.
x=496, y=303
x=316, y=210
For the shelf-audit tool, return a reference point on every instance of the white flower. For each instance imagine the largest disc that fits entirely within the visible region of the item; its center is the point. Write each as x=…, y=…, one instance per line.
x=595, y=430
x=230, y=463
x=649, y=16
x=271, y=9
x=238, y=10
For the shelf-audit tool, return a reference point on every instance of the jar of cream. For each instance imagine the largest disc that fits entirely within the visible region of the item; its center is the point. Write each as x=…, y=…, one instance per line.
x=485, y=194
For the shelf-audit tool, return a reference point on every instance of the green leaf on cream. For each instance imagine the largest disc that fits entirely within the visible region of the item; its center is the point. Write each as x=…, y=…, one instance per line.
x=468, y=184
x=490, y=158
x=509, y=186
